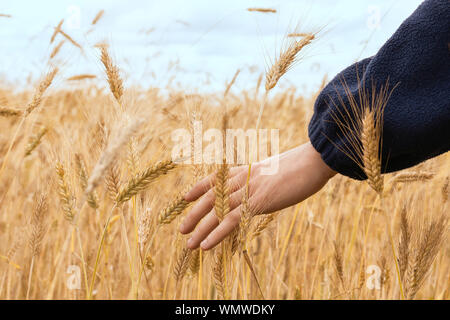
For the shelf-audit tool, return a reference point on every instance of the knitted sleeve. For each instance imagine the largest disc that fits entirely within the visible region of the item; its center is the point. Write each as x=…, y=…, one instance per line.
x=416, y=126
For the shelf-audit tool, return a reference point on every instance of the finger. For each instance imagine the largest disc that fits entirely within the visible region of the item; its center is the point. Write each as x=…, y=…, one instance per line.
x=201, y=187
x=236, y=198
x=206, y=203
x=230, y=222
x=199, y=210
x=237, y=181
x=236, y=170
x=204, y=228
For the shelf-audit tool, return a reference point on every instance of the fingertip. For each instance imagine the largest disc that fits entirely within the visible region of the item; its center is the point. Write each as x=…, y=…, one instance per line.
x=186, y=229
x=205, y=245
x=190, y=244
x=188, y=197
x=187, y=225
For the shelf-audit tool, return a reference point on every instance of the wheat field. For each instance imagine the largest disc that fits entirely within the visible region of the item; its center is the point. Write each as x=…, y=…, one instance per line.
x=91, y=201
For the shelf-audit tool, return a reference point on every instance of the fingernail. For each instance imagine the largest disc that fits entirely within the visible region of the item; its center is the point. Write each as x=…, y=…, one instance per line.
x=189, y=243
x=204, y=244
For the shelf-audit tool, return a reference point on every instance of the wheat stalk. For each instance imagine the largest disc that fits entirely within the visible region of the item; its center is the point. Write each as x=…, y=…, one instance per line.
x=371, y=157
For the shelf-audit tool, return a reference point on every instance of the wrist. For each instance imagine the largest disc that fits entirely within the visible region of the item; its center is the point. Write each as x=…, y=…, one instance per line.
x=317, y=162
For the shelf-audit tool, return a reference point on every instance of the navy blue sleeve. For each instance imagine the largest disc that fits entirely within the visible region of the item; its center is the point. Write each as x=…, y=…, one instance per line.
x=416, y=123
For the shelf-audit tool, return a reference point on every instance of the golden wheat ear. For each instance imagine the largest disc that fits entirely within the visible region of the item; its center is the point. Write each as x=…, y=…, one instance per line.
x=360, y=127
x=221, y=189
x=56, y=49
x=194, y=265
x=142, y=180
x=406, y=177
x=84, y=76
x=38, y=227
x=98, y=17
x=182, y=264
x=65, y=194
x=173, y=210
x=285, y=61
x=111, y=154
x=219, y=274
x=38, y=95
x=230, y=84
x=427, y=242
x=113, y=75
x=445, y=189
x=370, y=139
x=404, y=243
x=263, y=10
x=34, y=141
x=83, y=178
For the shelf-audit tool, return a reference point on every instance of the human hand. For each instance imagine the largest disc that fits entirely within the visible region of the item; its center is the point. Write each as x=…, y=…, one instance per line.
x=301, y=173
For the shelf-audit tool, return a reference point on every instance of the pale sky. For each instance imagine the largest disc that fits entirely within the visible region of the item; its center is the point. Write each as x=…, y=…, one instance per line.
x=209, y=40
